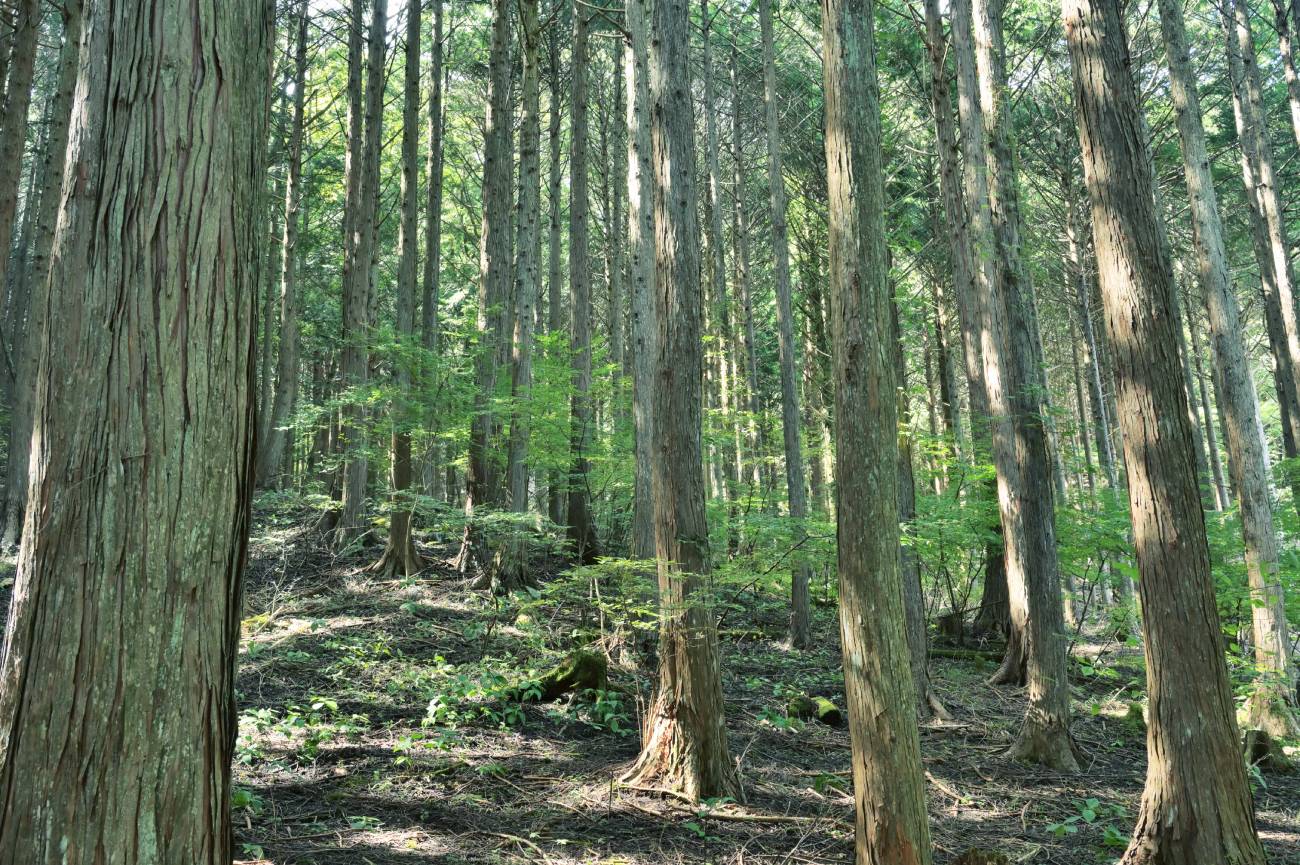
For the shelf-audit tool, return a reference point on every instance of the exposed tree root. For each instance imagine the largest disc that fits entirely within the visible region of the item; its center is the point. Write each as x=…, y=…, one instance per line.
x=1046, y=741
x=399, y=560
x=1015, y=662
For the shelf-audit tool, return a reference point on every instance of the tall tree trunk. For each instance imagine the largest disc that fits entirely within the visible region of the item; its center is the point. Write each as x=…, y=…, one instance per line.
x=119, y=666
x=400, y=558
x=512, y=563
x=740, y=261
x=684, y=741
x=1270, y=704
x=616, y=224
x=640, y=228
x=13, y=131
x=494, y=289
x=801, y=573
x=889, y=787
x=1196, y=807
x=1268, y=229
x=430, y=320
x=1036, y=648
x=581, y=521
x=26, y=335
x=271, y=452
x=357, y=285
x=555, y=270
x=1221, y=492
x=993, y=613
x=1286, y=14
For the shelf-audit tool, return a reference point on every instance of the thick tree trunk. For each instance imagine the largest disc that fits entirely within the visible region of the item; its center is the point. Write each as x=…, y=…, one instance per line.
x=357, y=283
x=400, y=558
x=1271, y=702
x=889, y=787
x=1196, y=807
x=271, y=451
x=117, y=708
x=494, y=288
x=801, y=573
x=640, y=233
x=581, y=522
x=684, y=741
x=26, y=335
x=1036, y=648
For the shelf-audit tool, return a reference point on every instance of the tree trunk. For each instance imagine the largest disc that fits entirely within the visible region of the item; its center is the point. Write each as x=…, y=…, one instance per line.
x=1285, y=16
x=511, y=570
x=740, y=261
x=494, y=289
x=1268, y=228
x=1196, y=807
x=684, y=741
x=581, y=521
x=430, y=320
x=1270, y=704
x=1221, y=494
x=13, y=132
x=640, y=230
x=271, y=453
x=117, y=714
x=993, y=614
x=801, y=573
x=555, y=271
x=26, y=335
x=400, y=558
x=889, y=787
x=357, y=281
x=1036, y=648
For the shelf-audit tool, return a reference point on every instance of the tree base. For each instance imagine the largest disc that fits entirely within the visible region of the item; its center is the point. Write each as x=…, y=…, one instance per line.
x=1268, y=709
x=681, y=762
x=399, y=560
x=1045, y=743
x=508, y=571
x=1014, y=669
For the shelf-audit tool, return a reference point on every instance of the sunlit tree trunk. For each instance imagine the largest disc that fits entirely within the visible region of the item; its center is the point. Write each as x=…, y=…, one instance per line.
x=640, y=224
x=889, y=787
x=271, y=451
x=25, y=335
x=1270, y=704
x=1196, y=807
x=117, y=704
x=684, y=739
x=494, y=289
x=357, y=283
x=801, y=573
x=1036, y=649
x=1286, y=14
x=581, y=522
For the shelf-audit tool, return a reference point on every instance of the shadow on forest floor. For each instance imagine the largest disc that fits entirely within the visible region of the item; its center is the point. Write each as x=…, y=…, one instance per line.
x=336, y=763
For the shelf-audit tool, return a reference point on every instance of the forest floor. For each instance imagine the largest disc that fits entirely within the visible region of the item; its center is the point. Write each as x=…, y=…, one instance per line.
x=337, y=762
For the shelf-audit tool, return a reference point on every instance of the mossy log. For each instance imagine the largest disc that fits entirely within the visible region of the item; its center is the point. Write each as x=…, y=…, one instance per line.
x=821, y=709
x=579, y=671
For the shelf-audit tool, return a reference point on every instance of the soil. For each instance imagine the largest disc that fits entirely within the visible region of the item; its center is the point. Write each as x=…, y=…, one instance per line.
x=356, y=773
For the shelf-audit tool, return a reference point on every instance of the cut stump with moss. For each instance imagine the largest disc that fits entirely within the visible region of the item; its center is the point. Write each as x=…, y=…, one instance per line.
x=579, y=671
x=821, y=709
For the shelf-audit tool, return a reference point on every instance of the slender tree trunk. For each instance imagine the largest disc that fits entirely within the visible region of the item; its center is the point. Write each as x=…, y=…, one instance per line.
x=993, y=613
x=889, y=787
x=555, y=271
x=740, y=261
x=1271, y=703
x=1285, y=16
x=801, y=573
x=616, y=224
x=494, y=290
x=400, y=558
x=581, y=521
x=1221, y=493
x=119, y=666
x=640, y=229
x=1196, y=807
x=1268, y=228
x=430, y=320
x=13, y=132
x=511, y=570
x=271, y=453
x=26, y=335
x=684, y=741
x=1036, y=648
x=357, y=285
